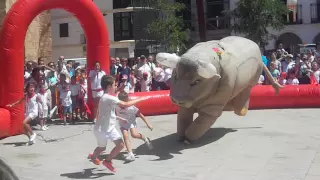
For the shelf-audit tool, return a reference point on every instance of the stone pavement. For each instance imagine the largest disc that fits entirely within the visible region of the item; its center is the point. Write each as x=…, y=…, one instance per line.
x=264, y=145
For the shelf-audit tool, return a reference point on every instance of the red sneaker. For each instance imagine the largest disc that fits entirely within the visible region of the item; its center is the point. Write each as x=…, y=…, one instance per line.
x=95, y=161
x=109, y=166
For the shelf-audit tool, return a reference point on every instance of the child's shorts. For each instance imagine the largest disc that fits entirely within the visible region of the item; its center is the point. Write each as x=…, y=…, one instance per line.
x=74, y=101
x=32, y=115
x=67, y=109
x=44, y=113
x=103, y=137
x=128, y=125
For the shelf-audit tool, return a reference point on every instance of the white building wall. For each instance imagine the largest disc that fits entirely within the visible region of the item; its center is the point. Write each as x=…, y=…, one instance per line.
x=71, y=47
x=306, y=31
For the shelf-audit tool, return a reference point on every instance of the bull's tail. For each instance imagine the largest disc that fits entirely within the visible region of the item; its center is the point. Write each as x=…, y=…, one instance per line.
x=276, y=86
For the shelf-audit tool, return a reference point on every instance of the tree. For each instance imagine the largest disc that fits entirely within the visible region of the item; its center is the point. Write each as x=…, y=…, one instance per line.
x=169, y=29
x=254, y=18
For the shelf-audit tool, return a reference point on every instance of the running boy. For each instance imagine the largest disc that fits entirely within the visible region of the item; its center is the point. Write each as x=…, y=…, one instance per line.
x=105, y=127
x=30, y=111
x=127, y=117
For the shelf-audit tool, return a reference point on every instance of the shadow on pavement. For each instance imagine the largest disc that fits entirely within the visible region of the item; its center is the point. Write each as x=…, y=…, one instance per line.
x=165, y=146
x=86, y=174
x=16, y=144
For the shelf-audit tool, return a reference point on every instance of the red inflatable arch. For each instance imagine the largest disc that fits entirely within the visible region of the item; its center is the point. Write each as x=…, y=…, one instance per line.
x=12, y=38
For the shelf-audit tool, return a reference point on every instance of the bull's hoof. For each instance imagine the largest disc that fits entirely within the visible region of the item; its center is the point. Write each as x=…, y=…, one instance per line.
x=243, y=112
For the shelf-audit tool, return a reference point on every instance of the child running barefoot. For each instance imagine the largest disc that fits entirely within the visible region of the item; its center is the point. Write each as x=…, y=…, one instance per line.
x=30, y=112
x=105, y=126
x=127, y=117
x=43, y=106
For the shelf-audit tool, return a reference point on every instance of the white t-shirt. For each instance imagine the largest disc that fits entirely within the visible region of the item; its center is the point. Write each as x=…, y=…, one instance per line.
x=128, y=114
x=75, y=89
x=96, y=79
x=168, y=74
x=31, y=105
x=159, y=74
x=282, y=81
x=145, y=85
x=43, y=100
x=144, y=68
x=26, y=75
x=261, y=79
x=292, y=81
x=65, y=97
x=317, y=75
x=106, y=118
x=127, y=86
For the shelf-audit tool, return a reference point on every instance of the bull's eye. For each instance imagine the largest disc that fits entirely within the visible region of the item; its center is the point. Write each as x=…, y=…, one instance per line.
x=195, y=83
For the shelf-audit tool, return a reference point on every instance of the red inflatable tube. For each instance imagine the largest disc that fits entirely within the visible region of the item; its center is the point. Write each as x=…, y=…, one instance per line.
x=262, y=97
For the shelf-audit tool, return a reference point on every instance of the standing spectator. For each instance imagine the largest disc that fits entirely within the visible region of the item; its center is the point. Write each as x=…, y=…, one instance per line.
x=95, y=80
x=61, y=66
x=28, y=70
x=66, y=102
x=159, y=76
x=292, y=80
x=124, y=69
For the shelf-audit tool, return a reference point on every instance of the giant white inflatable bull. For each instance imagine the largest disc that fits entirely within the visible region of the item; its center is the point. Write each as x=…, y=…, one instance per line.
x=213, y=77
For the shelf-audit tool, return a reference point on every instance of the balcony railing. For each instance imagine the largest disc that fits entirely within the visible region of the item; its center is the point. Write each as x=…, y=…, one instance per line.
x=217, y=23
x=294, y=16
x=315, y=12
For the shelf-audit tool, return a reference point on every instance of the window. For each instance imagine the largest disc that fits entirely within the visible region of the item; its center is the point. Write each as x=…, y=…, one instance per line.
x=64, y=30
x=215, y=8
x=123, y=27
x=186, y=13
x=121, y=4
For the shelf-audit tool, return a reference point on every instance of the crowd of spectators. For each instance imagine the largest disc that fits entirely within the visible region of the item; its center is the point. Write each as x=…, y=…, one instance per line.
x=66, y=82
x=289, y=69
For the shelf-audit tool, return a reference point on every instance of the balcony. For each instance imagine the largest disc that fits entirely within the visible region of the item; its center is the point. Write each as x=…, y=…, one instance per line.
x=217, y=23
x=315, y=12
x=294, y=16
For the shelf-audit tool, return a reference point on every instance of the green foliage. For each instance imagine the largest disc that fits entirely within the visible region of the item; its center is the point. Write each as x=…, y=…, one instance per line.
x=254, y=18
x=168, y=29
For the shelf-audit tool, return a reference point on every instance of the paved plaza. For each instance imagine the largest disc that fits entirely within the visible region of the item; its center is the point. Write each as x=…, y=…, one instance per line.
x=264, y=145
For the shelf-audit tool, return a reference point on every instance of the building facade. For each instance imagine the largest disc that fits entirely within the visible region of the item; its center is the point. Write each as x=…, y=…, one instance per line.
x=68, y=35
x=123, y=22
x=38, y=37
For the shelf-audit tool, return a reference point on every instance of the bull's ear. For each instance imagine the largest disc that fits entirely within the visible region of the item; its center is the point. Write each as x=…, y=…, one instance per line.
x=208, y=70
x=167, y=59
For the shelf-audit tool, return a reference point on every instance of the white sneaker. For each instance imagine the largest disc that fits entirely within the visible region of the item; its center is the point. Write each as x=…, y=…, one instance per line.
x=148, y=143
x=130, y=157
x=33, y=137
x=43, y=128
x=46, y=127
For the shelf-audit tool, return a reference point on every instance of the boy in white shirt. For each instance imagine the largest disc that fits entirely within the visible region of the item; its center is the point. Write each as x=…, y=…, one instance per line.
x=66, y=102
x=128, y=122
x=105, y=126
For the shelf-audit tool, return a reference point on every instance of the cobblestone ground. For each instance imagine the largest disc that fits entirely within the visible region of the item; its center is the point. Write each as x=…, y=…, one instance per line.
x=264, y=145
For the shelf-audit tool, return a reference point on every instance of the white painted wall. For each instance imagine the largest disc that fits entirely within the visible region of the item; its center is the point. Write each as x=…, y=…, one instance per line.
x=71, y=47
x=305, y=31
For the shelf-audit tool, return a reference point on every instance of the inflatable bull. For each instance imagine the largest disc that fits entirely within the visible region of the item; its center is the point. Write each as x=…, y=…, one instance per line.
x=213, y=77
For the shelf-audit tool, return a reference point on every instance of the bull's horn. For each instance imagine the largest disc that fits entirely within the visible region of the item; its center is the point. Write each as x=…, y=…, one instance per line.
x=167, y=59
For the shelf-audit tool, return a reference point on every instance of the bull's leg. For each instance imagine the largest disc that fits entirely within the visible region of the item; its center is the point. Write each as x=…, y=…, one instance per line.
x=185, y=118
x=241, y=102
x=201, y=124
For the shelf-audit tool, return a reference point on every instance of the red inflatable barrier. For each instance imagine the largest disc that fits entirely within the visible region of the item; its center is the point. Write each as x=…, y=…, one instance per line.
x=262, y=97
